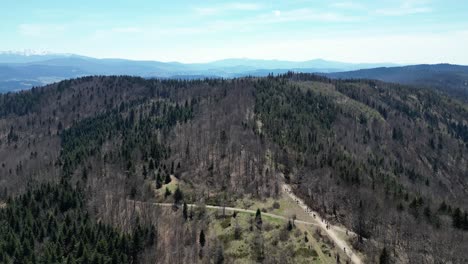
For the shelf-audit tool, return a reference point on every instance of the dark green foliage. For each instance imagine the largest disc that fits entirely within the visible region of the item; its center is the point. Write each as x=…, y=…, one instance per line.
x=178, y=196
x=20, y=103
x=397, y=134
x=219, y=254
x=367, y=137
x=460, y=219
x=384, y=257
x=355, y=150
x=51, y=225
x=167, y=193
x=291, y=116
x=447, y=78
x=167, y=179
x=258, y=219
x=237, y=231
x=158, y=181
x=202, y=239
x=289, y=226
x=185, y=211
x=85, y=138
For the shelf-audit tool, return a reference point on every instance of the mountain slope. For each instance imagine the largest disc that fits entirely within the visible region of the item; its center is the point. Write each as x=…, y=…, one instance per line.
x=452, y=79
x=385, y=160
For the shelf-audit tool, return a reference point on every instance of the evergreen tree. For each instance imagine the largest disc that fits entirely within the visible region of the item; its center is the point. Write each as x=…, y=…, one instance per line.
x=201, y=239
x=158, y=181
x=178, y=196
x=258, y=219
x=219, y=254
x=56, y=212
x=167, y=180
x=167, y=193
x=457, y=219
x=384, y=257
x=185, y=211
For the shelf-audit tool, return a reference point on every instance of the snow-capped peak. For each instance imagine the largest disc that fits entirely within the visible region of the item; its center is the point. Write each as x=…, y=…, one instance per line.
x=31, y=52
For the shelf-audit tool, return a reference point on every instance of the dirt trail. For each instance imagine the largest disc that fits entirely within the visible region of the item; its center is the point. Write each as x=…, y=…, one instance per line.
x=234, y=209
x=340, y=243
x=317, y=221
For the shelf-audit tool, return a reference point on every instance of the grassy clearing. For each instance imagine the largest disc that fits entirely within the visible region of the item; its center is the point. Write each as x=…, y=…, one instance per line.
x=172, y=186
x=278, y=241
x=321, y=250
x=282, y=206
x=285, y=206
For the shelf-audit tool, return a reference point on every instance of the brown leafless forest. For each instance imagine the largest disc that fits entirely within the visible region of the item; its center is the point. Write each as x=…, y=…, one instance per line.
x=389, y=162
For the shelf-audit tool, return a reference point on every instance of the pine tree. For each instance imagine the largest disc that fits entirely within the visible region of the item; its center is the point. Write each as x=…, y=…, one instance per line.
x=219, y=254
x=201, y=239
x=258, y=219
x=178, y=196
x=384, y=257
x=158, y=181
x=185, y=211
x=145, y=172
x=167, y=180
x=457, y=218
x=237, y=231
x=167, y=193
x=137, y=243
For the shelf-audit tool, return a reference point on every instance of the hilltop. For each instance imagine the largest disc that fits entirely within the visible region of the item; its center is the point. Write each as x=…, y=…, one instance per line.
x=386, y=161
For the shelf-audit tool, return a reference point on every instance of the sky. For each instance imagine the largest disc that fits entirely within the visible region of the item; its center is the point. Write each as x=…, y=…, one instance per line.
x=398, y=31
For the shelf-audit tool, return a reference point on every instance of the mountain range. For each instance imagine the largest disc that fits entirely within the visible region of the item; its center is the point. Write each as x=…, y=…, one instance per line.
x=24, y=70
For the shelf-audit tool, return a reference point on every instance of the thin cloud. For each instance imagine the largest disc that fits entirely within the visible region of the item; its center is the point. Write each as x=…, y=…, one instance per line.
x=303, y=14
x=239, y=25
x=127, y=30
x=403, y=11
x=234, y=6
x=348, y=5
x=407, y=7
x=40, y=30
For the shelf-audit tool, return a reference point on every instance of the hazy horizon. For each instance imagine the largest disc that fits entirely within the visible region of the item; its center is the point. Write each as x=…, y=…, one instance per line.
x=403, y=32
x=31, y=52
x=43, y=53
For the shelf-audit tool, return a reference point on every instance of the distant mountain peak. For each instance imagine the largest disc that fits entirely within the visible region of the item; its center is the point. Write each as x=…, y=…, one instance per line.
x=32, y=52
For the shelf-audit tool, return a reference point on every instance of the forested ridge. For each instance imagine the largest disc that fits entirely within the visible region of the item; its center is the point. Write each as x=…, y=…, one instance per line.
x=50, y=224
x=381, y=154
x=86, y=137
x=385, y=160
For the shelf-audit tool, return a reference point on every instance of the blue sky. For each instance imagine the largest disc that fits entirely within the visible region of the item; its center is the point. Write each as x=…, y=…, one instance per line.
x=401, y=31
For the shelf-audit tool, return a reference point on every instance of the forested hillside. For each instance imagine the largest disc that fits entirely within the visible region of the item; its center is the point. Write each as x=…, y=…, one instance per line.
x=448, y=78
x=51, y=225
x=389, y=162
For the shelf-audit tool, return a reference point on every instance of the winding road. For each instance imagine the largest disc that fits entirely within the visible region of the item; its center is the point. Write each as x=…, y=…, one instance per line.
x=316, y=221
x=234, y=209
